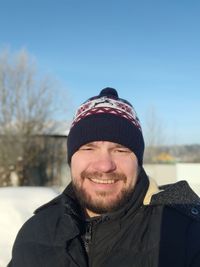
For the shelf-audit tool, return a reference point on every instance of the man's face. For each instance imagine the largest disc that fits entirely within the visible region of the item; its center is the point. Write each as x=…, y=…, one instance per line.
x=103, y=175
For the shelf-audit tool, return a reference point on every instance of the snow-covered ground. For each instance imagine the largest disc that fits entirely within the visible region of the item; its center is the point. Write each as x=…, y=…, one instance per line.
x=17, y=204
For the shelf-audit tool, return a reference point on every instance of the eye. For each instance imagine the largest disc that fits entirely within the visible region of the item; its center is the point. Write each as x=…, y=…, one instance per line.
x=123, y=150
x=86, y=148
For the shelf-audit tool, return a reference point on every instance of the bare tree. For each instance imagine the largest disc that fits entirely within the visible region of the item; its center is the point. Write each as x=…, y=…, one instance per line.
x=26, y=105
x=154, y=134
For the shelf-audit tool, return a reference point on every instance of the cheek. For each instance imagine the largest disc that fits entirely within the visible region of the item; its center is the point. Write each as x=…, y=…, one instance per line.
x=131, y=173
x=74, y=168
x=81, y=161
x=77, y=166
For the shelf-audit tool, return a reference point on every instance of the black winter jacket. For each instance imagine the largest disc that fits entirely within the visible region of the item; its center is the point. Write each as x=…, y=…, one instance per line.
x=157, y=228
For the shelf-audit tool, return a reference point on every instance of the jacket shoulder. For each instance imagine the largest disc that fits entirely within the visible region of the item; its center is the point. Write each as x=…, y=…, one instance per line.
x=41, y=225
x=179, y=196
x=194, y=244
x=179, y=239
x=55, y=201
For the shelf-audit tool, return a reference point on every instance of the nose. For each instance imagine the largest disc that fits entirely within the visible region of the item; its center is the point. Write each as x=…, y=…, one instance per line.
x=104, y=163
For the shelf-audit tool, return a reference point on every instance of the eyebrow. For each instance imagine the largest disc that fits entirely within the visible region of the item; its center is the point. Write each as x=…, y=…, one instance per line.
x=116, y=145
x=120, y=146
x=89, y=144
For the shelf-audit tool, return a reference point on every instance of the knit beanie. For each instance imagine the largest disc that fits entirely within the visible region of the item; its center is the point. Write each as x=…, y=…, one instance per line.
x=106, y=117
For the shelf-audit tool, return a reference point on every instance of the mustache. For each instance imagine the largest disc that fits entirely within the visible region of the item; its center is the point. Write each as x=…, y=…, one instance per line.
x=104, y=176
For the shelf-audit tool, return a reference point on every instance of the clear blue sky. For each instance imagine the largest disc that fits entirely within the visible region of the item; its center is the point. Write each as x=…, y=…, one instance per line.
x=147, y=49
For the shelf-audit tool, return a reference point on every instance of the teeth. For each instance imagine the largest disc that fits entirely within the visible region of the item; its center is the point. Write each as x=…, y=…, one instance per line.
x=102, y=181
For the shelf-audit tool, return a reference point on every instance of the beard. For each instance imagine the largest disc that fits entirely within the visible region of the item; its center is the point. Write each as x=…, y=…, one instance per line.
x=101, y=203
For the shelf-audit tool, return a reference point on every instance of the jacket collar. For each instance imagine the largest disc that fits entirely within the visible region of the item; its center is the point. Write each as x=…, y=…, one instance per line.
x=177, y=195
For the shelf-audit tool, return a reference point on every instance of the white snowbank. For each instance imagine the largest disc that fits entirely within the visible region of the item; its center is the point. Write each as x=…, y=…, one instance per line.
x=17, y=204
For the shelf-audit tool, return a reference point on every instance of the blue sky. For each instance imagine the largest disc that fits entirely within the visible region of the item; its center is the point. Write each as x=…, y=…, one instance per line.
x=147, y=49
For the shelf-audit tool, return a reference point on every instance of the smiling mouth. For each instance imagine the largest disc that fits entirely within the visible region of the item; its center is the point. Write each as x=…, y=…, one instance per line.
x=100, y=181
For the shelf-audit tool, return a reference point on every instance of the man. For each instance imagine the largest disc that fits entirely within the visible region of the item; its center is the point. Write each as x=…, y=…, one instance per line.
x=111, y=214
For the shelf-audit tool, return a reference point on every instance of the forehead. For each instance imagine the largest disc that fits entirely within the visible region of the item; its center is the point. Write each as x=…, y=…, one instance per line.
x=103, y=143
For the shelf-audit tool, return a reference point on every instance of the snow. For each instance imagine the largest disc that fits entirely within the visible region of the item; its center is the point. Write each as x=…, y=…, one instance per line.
x=17, y=204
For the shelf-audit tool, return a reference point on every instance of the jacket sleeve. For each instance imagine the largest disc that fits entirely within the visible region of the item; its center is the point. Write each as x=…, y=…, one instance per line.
x=196, y=261
x=24, y=248
x=33, y=244
x=22, y=253
x=193, y=253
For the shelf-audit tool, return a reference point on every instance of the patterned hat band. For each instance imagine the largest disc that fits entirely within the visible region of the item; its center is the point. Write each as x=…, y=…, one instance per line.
x=106, y=117
x=107, y=105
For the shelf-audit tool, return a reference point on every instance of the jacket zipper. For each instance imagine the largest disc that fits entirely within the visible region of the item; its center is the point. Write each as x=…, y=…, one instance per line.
x=88, y=238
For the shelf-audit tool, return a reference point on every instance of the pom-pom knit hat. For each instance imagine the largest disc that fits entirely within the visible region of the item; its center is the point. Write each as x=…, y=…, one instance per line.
x=106, y=117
